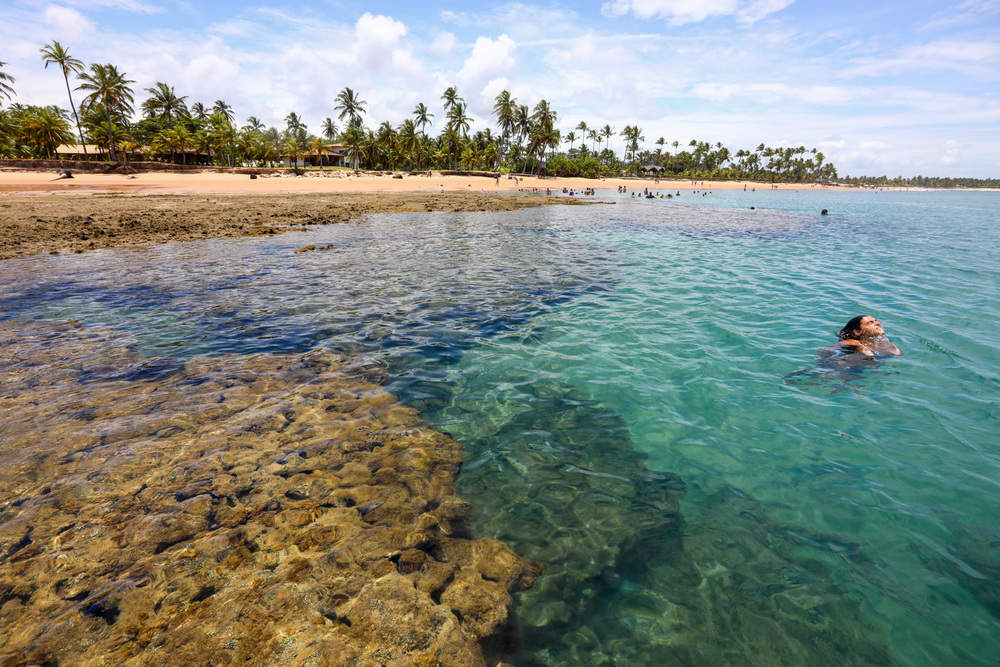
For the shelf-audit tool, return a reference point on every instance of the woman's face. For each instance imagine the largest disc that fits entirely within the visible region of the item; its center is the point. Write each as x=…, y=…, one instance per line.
x=870, y=328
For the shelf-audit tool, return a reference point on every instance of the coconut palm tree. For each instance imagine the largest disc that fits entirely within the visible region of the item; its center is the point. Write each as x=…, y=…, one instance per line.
x=354, y=137
x=199, y=111
x=6, y=90
x=459, y=119
x=295, y=127
x=450, y=98
x=594, y=136
x=504, y=107
x=108, y=87
x=224, y=110
x=607, y=132
x=164, y=102
x=319, y=148
x=409, y=140
x=584, y=132
x=329, y=129
x=349, y=104
x=55, y=54
x=422, y=116
x=571, y=138
x=254, y=124
x=47, y=129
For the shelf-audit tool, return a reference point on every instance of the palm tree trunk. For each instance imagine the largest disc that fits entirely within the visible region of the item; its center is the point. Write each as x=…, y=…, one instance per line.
x=75, y=115
x=111, y=132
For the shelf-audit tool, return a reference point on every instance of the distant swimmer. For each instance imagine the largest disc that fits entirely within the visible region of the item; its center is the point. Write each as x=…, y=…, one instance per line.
x=864, y=335
x=824, y=212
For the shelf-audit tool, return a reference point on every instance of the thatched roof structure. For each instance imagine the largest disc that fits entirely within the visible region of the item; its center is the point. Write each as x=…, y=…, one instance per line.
x=77, y=149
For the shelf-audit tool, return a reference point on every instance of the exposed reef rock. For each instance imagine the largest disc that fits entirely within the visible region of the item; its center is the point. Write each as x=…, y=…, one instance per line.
x=229, y=509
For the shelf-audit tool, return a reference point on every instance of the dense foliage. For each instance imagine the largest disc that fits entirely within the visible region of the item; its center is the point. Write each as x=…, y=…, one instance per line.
x=921, y=182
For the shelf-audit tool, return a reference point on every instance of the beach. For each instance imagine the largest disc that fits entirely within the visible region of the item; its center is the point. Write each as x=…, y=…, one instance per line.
x=323, y=181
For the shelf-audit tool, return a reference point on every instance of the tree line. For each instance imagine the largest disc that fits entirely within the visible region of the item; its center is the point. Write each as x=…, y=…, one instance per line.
x=921, y=182
x=525, y=138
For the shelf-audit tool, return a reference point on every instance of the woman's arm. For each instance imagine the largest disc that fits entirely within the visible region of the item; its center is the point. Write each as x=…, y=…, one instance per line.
x=856, y=346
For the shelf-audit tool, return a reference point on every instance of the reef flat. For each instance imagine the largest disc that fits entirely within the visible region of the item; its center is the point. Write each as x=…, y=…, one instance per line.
x=30, y=225
x=229, y=509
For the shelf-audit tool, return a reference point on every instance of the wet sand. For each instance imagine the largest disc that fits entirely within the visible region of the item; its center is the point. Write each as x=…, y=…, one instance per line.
x=31, y=225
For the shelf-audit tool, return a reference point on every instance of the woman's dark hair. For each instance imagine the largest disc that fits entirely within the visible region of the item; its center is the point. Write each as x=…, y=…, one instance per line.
x=848, y=330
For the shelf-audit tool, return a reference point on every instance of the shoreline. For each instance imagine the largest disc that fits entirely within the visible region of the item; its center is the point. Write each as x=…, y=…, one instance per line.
x=42, y=181
x=75, y=223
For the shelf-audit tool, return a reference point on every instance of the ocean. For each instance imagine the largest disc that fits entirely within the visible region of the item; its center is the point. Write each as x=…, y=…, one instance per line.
x=644, y=408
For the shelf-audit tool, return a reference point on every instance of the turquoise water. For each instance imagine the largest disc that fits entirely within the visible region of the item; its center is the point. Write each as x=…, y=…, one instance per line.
x=639, y=393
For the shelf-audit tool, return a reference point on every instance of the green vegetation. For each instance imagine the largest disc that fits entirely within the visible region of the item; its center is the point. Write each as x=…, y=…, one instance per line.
x=921, y=182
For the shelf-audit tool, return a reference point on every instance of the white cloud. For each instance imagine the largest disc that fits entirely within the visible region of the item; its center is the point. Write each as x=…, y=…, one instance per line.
x=978, y=58
x=769, y=93
x=66, y=22
x=443, y=42
x=377, y=38
x=126, y=5
x=234, y=28
x=950, y=152
x=490, y=59
x=755, y=11
x=680, y=12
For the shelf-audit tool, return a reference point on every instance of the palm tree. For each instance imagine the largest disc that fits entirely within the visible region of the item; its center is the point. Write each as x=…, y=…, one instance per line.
x=318, y=147
x=459, y=119
x=54, y=53
x=450, y=98
x=607, y=132
x=584, y=132
x=6, y=90
x=504, y=107
x=409, y=140
x=329, y=129
x=354, y=138
x=293, y=123
x=571, y=138
x=254, y=124
x=199, y=111
x=110, y=88
x=348, y=104
x=177, y=140
x=224, y=110
x=422, y=116
x=164, y=102
x=47, y=129
x=594, y=136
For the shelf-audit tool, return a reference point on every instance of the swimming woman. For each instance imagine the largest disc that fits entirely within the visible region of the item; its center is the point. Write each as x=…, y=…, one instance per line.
x=864, y=335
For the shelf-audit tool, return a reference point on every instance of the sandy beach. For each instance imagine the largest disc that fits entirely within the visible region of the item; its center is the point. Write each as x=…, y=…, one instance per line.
x=211, y=182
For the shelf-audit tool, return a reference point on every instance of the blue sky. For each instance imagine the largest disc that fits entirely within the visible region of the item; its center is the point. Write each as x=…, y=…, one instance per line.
x=880, y=87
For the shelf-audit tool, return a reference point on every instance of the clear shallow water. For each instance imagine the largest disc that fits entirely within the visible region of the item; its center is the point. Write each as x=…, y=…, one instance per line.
x=638, y=391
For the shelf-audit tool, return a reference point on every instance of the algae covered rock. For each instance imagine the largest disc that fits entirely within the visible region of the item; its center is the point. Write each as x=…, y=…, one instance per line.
x=229, y=509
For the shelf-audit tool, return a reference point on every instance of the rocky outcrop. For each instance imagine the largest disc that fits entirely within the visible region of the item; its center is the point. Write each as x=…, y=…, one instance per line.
x=230, y=509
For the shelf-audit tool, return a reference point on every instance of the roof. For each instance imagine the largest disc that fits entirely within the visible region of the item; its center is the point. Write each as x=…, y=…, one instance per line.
x=73, y=149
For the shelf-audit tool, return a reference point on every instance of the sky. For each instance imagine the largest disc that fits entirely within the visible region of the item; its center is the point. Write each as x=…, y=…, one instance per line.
x=887, y=87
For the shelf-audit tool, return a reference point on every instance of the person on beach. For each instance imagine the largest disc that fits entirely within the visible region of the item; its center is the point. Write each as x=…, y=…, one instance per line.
x=864, y=335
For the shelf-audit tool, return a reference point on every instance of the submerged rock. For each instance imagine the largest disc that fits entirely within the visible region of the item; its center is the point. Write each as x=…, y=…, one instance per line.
x=308, y=516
